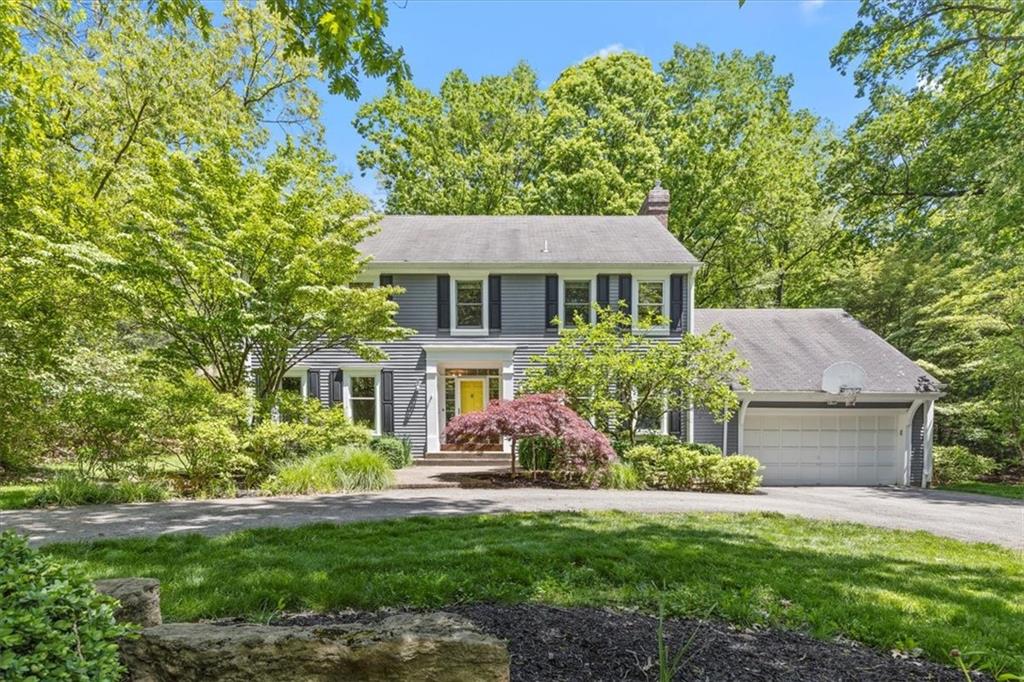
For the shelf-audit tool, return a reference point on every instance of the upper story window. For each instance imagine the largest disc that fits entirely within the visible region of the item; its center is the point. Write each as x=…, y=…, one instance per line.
x=575, y=301
x=469, y=300
x=650, y=300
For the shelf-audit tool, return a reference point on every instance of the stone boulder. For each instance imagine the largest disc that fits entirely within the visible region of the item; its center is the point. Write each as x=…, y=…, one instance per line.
x=412, y=647
x=139, y=599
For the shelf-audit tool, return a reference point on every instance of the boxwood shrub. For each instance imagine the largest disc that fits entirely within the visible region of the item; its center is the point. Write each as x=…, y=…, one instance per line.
x=397, y=451
x=684, y=466
x=53, y=624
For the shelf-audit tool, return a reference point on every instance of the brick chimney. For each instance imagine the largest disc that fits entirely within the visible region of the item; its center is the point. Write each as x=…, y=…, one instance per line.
x=656, y=203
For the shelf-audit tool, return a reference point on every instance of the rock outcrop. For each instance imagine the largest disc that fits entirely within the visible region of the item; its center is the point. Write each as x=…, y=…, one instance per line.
x=412, y=647
x=139, y=599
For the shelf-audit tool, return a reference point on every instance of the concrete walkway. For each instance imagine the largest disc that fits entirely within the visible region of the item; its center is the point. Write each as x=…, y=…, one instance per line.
x=957, y=515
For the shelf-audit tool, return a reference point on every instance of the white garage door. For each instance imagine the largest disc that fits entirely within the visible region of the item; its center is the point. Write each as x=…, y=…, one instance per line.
x=825, y=447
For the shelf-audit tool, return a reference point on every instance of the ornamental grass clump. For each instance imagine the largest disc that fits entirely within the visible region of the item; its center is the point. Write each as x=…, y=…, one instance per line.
x=344, y=470
x=585, y=453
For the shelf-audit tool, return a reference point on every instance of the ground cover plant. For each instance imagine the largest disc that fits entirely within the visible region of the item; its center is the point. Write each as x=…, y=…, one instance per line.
x=888, y=589
x=53, y=624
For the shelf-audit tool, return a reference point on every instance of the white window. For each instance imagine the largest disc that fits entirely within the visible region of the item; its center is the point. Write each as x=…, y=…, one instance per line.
x=362, y=390
x=469, y=305
x=653, y=418
x=651, y=301
x=293, y=384
x=575, y=301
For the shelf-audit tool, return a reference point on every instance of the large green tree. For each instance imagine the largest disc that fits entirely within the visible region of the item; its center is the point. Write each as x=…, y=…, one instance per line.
x=229, y=262
x=931, y=177
x=719, y=131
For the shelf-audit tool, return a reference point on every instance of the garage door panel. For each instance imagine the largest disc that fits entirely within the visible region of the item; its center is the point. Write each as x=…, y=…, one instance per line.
x=825, y=449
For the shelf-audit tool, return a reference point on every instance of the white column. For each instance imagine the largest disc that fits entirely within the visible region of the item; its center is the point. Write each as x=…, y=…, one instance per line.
x=508, y=391
x=929, y=432
x=739, y=425
x=433, y=416
x=908, y=440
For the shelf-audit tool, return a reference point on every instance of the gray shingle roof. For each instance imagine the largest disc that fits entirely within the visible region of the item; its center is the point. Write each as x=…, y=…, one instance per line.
x=575, y=240
x=788, y=349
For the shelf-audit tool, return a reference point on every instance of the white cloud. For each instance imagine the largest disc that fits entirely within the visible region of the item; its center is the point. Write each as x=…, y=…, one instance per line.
x=606, y=51
x=811, y=6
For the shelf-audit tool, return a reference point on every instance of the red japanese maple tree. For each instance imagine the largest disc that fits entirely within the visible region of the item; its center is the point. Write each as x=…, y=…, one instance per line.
x=584, y=453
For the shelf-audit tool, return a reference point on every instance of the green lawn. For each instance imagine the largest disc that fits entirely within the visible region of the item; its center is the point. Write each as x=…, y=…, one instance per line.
x=17, y=496
x=1010, y=490
x=889, y=589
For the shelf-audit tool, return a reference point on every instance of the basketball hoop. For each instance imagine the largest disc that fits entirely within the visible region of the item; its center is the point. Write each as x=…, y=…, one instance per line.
x=844, y=380
x=848, y=394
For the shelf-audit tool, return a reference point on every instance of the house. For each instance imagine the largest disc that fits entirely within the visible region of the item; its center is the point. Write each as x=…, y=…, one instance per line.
x=829, y=402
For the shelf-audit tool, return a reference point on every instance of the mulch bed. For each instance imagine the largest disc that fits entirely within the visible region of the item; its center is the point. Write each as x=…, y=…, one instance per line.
x=552, y=643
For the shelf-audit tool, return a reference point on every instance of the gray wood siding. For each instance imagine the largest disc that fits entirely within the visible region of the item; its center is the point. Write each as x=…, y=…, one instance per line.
x=917, y=447
x=522, y=309
x=707, y=430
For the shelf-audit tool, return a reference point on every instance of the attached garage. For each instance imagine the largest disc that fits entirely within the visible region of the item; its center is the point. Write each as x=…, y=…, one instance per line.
x=826, y=447
x=826, y=402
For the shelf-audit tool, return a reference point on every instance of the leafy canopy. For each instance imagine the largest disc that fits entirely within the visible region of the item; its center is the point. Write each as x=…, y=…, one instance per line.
x=621, y=377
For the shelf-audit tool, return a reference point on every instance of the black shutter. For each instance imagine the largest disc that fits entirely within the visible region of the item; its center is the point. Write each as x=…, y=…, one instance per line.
x=675, y=423
x=336, y=395
x=313, y=384
x=386, y=281
x=550, y=301
x=387, y=401
x=675, y=302
x=494, y=301
x=444, y=302
x=626, y=293
x=603, y=292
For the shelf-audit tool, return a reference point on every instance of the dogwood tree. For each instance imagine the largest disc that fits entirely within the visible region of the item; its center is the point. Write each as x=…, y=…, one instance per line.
x=619, y=376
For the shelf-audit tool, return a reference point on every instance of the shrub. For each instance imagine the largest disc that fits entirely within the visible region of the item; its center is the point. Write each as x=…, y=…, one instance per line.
x=957, y=464
x=622, y=476
x=538, y=453
x=53, y=624
x=397, y=451
x=315, y=431
x=344, y=470
x=682, y=466
x=69, y=490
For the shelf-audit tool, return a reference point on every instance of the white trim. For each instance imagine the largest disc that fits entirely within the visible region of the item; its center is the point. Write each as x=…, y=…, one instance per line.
x=741, y=420
x=649, y=269
x=818, y=411
x=484, y=356
x=908, y=439
x=576, y=277
x=346, y=393
x=303, y=374
x=822, y=397
x=929, y=433
x=691, y=285
x=663, y=431
x=689, y=424
x=468, y=276
x=666, y=294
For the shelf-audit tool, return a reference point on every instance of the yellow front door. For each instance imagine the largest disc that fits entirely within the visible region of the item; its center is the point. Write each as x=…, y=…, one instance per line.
x=472, y=395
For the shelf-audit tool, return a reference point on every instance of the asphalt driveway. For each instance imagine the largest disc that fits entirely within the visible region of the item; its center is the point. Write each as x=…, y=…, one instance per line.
x=962, y=516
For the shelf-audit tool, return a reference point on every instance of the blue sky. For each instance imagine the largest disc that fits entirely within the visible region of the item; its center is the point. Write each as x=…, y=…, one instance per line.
x=489, y=37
